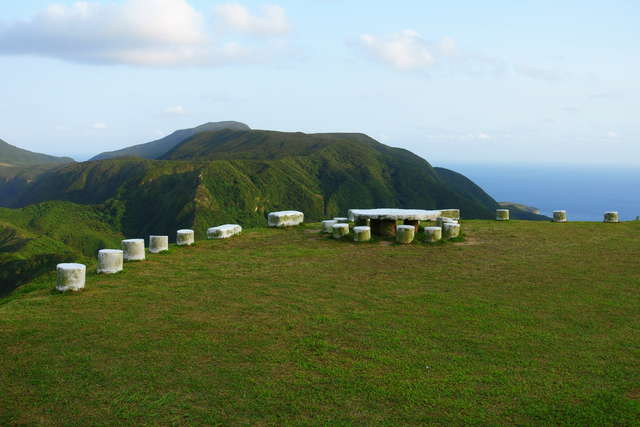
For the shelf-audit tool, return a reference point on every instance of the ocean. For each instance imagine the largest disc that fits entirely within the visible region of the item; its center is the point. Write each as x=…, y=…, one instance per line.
x=585, y=192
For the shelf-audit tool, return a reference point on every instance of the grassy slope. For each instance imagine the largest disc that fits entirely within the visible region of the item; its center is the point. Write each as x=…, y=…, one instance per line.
x=34, y=239
x=525, y=322
x=15, y=156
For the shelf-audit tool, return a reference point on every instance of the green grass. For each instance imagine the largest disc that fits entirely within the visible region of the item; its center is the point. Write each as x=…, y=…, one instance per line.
x=522, y=323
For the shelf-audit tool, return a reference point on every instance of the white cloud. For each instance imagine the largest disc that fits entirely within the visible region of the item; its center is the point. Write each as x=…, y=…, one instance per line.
x=99, y=126
x=273, y=20
x=134, y=32
x=178, y=110
x=483, y=136
x=406, y=50
x=612, y=134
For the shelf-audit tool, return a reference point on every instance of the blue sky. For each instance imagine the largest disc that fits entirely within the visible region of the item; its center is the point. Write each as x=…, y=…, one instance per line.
x=455, y=82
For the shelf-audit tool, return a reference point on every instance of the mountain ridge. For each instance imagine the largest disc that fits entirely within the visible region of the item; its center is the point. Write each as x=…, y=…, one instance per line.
x=13, y=157
x=157, y=148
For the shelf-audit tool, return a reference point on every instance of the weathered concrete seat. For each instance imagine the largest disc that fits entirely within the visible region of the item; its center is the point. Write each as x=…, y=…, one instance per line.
x=362, y=233
x=327, y=226
x=502, y=214
x=559, y=216
x=158, y=244
x=443, y=219
x=110, y=261
x=433, y=234
x=224, y=231
x=340, y=230
x=133, y=249
x=285, y=219
x=405, y=233
x=611, y=217
x=185, y=237
x=450, y=213
x=341, y=219
x=71, y=277
x=450, y=230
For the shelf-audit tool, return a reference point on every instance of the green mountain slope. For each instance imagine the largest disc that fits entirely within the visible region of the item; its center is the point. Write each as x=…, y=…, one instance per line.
x=34, y=239
x=155, y=149
x=240, y=175
x=465, y=186
x=11, y=156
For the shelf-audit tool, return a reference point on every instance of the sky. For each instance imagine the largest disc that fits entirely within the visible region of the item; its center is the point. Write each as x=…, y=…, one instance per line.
x=455, y=82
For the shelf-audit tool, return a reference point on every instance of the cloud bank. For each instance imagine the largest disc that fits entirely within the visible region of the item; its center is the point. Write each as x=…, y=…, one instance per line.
x=141, y=32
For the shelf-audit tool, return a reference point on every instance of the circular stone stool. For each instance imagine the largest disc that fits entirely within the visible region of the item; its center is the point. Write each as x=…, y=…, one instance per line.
x=185, y=238
x=559, y=216
x=405, y=234
x=133, y=249
x=158, y=244
x=433, y=234
x=361, y=234
x=502, y=214
x=327, y=226
x=340, y=230
x=443, y=219
x=110, y=261
x=71, y=277
x=341, y=220
x=612, y=217
x=450, y=230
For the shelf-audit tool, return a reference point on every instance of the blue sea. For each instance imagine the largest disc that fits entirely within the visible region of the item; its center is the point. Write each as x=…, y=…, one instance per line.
x=585, y=192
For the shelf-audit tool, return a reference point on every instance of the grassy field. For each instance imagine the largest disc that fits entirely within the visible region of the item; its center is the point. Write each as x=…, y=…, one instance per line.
x=522, y=323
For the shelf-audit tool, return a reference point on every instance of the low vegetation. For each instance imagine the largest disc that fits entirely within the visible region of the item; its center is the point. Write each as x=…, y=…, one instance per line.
x=520, y=323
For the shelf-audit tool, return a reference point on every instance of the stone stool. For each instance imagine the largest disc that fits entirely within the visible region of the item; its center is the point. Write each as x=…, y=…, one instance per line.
x=361, y=234
x=612, y=217
x=405, y=233
x=71, y=277
x=450, y=230
x=285, y=219
x=224, y=231
x=327, y=226
x=185, y=238
x=158, y=244
x=341, y=220
x=340, y=230
x=133, y=249
x=559, y=216
x=110, y=261
x=502, y=214
x=433, y=234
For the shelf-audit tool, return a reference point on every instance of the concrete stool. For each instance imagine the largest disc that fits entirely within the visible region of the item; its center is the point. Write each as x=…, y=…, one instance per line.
x=361, y=234
x=185, y=238
x=224, y=231
x=110, y=261
x=612, y=217
x=341, y=220
x=285, y=219
x=158, y=244
x=340, y=230
x=433, y=234
x=443, y=219
x=502, y=214
x=450, y=230
x=559, y=216
x=133, y=249
x=71, y=277
x=405, y=233
x=327, y=226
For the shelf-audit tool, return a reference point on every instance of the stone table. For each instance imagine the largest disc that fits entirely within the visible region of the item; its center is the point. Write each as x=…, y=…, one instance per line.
x=383, y=221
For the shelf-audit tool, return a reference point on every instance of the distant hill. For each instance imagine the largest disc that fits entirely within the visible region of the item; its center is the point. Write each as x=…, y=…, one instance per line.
x=156, y=149
x=11, y=156
x=519, y=206
x=467, y=187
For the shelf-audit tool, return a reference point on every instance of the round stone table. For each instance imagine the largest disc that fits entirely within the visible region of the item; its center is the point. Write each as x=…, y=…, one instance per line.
x=383, y=221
